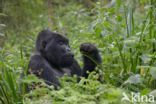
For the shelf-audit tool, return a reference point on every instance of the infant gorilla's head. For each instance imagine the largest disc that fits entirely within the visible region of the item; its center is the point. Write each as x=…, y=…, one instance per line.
x=54, y=48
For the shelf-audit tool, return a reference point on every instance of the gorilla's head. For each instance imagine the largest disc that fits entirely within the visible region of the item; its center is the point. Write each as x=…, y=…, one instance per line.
x=54, y=48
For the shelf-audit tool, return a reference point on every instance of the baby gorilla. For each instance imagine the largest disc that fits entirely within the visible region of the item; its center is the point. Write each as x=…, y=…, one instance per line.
x=53, y=58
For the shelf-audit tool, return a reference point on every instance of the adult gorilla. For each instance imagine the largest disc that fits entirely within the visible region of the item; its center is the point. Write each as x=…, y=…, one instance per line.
x=53, y=58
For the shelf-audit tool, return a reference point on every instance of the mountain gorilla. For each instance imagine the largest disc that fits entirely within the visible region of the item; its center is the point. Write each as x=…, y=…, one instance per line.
x=53, y=58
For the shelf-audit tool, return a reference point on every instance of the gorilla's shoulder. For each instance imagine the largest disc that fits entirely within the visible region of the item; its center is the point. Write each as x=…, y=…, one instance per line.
x=36, y=60
x=36, y=57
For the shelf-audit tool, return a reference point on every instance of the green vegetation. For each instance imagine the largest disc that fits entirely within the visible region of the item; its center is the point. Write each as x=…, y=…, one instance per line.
x=124, y=31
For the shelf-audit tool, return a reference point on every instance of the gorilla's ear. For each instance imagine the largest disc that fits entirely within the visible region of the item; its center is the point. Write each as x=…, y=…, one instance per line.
x=43, y=45
x=40, y=46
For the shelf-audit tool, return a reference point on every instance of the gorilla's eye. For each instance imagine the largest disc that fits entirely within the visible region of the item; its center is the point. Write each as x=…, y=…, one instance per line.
x=60, y=42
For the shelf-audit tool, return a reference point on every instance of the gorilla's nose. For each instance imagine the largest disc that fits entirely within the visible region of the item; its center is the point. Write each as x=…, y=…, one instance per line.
x=69, y=54
x=72, y=55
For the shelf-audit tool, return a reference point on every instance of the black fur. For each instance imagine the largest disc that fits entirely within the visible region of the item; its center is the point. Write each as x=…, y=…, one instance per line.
x=53, y=58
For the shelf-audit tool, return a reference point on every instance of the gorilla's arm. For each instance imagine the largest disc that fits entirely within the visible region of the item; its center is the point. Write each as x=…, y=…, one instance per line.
x=91, y=58
x=41, y=68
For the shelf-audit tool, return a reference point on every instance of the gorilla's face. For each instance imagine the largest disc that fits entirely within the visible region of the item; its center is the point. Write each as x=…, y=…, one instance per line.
x=57, y=51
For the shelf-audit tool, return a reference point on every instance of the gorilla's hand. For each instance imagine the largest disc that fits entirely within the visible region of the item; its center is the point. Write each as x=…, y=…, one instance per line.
x=91, y=57
x=88, y=48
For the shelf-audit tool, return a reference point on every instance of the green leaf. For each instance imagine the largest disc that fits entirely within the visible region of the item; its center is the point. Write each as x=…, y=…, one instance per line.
x=134, y=79
x=153, y=72
x=2, y=14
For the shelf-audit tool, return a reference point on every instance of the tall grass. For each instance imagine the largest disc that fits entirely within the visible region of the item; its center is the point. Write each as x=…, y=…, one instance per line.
x=11, y=91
